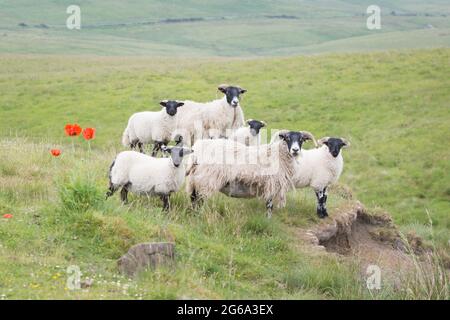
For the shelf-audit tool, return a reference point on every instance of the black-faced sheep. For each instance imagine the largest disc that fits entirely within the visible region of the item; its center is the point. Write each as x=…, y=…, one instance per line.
x=236, y=170
x=152, y=127
x=211, y=119
x=142, y=174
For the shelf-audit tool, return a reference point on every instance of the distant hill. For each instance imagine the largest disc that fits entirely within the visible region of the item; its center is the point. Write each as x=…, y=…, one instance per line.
x=219, y=28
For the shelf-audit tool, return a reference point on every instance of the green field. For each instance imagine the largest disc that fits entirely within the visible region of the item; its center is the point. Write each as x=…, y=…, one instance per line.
x=394, y=107
x=231, y=28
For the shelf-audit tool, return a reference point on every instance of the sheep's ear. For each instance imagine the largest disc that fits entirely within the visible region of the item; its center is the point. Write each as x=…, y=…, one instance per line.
x=263, y=123
x=187, y=151
x=242, y=90
x=223, y=88
x=248, y=121
x=180, y=104
x=346, y=143
x=163, y=103
x=323, y=140
x=309, y=136
x=167, y=149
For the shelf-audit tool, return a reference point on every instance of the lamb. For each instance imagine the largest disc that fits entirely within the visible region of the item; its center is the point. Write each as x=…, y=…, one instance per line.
x=146, y=175
x=212, y=119
x=268, y=177
x=248, y=135
x=319, y=168
x=148, y=127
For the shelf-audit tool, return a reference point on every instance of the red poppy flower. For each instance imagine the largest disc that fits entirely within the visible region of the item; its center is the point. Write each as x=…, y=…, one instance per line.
x=7, y=216
x=55, y=152
x=72, y=130
x=89, y=133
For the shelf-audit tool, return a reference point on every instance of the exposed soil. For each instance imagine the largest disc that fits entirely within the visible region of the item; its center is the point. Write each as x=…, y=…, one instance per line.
x=371, y=239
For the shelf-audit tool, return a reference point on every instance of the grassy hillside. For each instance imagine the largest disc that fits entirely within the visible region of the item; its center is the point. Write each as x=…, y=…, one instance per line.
x=393, y=107
x=232, y=28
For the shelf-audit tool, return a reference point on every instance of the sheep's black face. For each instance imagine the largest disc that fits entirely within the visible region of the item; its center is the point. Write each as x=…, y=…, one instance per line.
x=294, y=141
x=232, y=94
x=171, y=106
x=335, y=145
x=177, y=154
x=255, y=126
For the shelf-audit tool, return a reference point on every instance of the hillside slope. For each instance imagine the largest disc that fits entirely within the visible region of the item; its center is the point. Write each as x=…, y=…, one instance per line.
x=393, y=107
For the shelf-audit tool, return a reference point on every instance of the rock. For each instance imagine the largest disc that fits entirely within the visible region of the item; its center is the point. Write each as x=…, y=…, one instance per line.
x=146, y=255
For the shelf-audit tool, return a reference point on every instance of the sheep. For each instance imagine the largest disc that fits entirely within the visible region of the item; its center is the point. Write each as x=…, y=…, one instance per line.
x=319, y=168
x=248, y=135
x=147, y=127
x=269, y=177
x=143, y=174
x=211, y=119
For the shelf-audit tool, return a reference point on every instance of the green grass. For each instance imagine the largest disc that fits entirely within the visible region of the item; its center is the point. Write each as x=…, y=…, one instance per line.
x=232, y=28
x=392, y=106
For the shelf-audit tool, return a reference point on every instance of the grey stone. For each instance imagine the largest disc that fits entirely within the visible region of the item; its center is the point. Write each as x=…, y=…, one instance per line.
x=146, y=255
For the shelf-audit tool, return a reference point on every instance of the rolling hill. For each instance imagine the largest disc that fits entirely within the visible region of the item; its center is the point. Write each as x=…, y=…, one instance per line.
x=234, y=28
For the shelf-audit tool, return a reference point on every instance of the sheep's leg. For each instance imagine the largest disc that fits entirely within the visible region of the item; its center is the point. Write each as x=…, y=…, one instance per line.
x=269, y=206
x=141, y=147
x=124, y=193
x=166, y=202
x=111, y=190
x=156, y=148
x=195, y=199
x=322, y=203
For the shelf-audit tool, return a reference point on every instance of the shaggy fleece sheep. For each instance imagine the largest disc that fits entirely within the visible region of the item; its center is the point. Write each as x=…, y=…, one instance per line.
x=230, y=167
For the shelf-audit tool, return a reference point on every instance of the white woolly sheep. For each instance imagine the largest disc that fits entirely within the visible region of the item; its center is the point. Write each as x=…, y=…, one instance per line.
x=248, y=135
x=142, y=174
x=269, y=177
x=319, y=168
x=152, y=127
x=211, y=119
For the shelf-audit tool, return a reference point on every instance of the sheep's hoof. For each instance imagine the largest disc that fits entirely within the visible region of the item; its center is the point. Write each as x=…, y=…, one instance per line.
x=322, y=214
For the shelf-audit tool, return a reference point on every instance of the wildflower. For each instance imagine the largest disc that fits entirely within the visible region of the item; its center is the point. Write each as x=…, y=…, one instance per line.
x=72, y=129
x=55, y=152
x=89, y=133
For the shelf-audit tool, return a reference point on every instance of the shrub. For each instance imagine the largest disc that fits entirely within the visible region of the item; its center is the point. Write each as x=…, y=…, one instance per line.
x=80, y=194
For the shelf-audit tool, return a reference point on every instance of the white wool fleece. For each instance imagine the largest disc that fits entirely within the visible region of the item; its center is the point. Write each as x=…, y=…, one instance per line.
x=317, y=168
x=243, y=135
x=212, y=118
x=147, y=175
x=148, y=127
